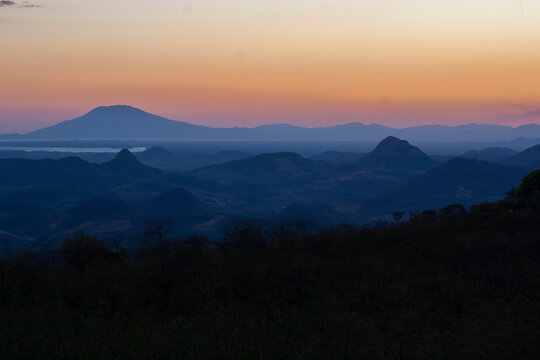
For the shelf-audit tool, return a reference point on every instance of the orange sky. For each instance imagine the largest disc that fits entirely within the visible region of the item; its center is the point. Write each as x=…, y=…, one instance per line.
x=240, y=62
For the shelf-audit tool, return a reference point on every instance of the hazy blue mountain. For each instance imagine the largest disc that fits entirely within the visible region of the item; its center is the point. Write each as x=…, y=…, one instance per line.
x=164, y=159
x=275, y=170
x=30, y=174
x=528, y=158
x=393, y=153
x=93, y=157
x=69, y=181
x=470, y=132
x=125, y=161
x=118, y=122
x=55, y=197
x=71, y=194
x=518, y=144
x=492, y=154
x=155, y=156
x=125, y=122
x=460, y=180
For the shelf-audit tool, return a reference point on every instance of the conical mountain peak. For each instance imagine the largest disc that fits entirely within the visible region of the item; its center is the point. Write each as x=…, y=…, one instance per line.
x=394, y=153
x=123, y=160
x=392, y=143
x=126, y=155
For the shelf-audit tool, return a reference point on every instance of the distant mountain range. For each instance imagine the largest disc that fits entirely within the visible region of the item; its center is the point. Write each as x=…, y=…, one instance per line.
x=493, y=154
x=126, y=122
x=57, y=197
x=155, y=156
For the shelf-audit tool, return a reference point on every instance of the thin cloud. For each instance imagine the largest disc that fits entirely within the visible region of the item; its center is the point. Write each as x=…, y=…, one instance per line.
x=24, y=4
x=28, y=5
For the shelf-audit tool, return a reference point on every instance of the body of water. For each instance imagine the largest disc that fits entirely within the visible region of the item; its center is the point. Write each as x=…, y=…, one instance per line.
x=71, y=149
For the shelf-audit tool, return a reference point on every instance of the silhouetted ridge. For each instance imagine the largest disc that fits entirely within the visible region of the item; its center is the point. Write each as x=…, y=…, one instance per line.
x=530, y=186
x=465, y=179
x=394, y=153
x=527, y=158
x=126, y=162
x=393, y=145
x=273, y=169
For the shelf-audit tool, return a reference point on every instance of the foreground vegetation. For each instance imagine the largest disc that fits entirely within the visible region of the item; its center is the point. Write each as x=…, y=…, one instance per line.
x=451, y=284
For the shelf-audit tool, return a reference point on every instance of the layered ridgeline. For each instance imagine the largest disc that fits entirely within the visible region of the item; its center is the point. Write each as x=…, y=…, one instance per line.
x=122, y=194
x=51, y=198
x=125, y=122
x=529, y=158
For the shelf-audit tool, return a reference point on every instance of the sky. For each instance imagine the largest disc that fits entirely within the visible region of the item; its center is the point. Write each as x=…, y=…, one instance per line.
x=252, y=62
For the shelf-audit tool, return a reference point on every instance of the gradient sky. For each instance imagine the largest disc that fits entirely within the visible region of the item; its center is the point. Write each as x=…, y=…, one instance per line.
x=248, y=62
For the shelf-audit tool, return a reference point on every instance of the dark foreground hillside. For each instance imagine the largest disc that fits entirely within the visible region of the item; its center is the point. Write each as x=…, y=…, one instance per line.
x=445, y=285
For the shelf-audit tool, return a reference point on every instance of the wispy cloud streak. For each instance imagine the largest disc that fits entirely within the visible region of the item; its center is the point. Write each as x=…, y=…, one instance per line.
x=29, y=5
x=5, y=3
